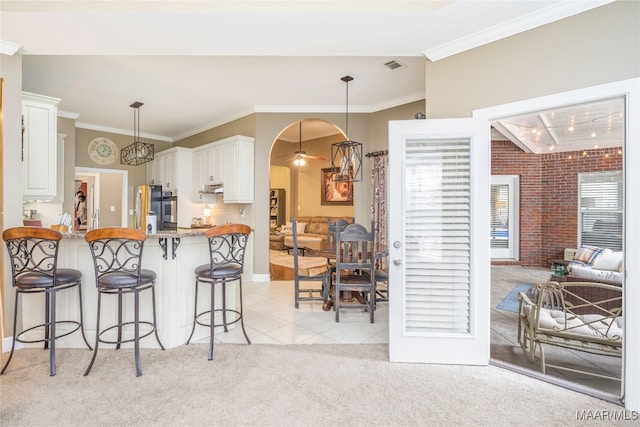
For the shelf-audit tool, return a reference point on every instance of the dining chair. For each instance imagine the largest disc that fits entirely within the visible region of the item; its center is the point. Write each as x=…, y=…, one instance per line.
x=355, y=268
x=117, y=261
x=33, y=252
x=227, y=245
x=316, y=268
x=332, y=227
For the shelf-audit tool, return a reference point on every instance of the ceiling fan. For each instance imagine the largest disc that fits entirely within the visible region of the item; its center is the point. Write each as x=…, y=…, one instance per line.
x=300, y=157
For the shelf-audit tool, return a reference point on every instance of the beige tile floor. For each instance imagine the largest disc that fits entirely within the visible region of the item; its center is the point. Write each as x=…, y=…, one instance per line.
x=271, y=318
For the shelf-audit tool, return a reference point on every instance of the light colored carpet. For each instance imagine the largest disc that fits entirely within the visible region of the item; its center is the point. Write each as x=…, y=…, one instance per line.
x=275, y=385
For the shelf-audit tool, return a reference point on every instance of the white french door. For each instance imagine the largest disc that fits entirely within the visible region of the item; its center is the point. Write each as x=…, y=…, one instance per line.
x=439, y=268
x=505, y=216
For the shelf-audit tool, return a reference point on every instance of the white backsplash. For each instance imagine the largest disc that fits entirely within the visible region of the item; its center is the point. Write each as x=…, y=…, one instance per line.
x=221, y=213
x=46, y=211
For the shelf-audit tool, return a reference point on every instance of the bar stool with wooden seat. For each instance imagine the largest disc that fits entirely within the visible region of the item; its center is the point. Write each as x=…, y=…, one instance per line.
x=34, y=265
x=117, y=256
x=227, y=244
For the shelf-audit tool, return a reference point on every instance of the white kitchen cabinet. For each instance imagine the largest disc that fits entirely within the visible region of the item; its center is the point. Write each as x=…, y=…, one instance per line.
x=208, y=167
x=214, y=165
x=238, y=169
x=229, y=162
x=172, y=169
x=39, y=147
x=152, y=175
x=197, y=175
x=167, y=170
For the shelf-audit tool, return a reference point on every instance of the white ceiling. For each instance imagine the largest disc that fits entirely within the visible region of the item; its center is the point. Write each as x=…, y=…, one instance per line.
x=594, y=125
x=198, y=64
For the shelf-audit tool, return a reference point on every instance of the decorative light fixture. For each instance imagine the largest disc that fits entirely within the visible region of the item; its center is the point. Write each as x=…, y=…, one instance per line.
x=300, y=157
x=299, y=160
x=346, y=156
x=138, y=152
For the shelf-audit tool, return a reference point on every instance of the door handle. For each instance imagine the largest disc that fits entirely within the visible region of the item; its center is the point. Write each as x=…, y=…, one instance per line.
x=397, y=261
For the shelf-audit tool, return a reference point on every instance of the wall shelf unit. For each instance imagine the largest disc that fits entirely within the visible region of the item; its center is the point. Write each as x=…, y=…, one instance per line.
x=277, y=207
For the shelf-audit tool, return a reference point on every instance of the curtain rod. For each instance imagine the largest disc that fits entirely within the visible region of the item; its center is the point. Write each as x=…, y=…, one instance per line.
x=377, y=153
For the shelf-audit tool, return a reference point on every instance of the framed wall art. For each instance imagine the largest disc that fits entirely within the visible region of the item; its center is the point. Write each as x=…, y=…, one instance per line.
x=338, y=193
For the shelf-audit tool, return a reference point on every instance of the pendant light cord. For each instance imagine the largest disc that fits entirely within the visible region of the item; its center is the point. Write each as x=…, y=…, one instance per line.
x=347, y=79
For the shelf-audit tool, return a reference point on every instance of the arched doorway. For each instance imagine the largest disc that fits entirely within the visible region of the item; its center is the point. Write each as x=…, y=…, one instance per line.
x=301, y=182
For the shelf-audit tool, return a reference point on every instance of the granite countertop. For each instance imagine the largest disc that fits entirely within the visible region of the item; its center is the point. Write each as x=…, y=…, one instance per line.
x=180, y=232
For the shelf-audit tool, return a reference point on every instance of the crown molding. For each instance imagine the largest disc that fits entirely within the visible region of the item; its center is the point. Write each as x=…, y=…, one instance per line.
x=338, y=109
x=541, y=17
x=90, y=126
x=68, y=115
x=213, y=124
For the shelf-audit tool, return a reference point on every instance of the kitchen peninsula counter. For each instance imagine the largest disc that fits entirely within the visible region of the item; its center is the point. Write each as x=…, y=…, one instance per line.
x=180, y=232
x=175, y=286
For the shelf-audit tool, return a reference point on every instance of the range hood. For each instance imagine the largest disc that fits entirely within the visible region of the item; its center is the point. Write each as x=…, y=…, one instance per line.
x=213, y=189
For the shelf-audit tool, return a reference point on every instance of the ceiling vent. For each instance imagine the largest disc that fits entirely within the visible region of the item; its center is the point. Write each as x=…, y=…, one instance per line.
x=393, y=65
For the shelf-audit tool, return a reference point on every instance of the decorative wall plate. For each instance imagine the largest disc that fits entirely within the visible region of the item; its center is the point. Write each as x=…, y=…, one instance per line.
x=103, y=151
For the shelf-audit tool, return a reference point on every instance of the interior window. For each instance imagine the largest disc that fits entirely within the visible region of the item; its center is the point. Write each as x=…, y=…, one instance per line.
x=600, y=199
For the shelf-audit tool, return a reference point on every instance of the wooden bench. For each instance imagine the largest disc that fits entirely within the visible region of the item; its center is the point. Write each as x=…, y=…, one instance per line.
x=559, y=314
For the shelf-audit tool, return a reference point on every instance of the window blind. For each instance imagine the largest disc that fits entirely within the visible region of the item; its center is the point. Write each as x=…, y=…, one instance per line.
x=500, y=216
x=437, y=236
x=601, y=208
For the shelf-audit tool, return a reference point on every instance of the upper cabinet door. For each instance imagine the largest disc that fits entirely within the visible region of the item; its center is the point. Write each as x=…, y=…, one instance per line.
x=238, y=169
x=39, y=147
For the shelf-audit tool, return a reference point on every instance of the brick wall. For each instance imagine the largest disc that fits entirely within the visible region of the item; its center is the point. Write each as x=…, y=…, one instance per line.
x=549, y=195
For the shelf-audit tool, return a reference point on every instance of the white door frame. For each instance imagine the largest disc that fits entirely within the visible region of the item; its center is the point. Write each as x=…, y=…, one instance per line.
x=124, y=191
x=92, y=196
x=630, y=89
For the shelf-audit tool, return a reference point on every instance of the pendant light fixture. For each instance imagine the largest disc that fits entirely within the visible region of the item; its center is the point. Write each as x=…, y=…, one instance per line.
x=346, y=156
x=138, y=152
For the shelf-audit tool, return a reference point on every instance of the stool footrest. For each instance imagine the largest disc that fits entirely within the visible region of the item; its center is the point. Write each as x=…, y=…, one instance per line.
x=122, y=341
x=59, y=322
x=227, y=310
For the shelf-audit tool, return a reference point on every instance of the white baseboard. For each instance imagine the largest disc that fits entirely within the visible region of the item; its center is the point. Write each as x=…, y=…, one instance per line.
x=261, y=278
x=6, y=344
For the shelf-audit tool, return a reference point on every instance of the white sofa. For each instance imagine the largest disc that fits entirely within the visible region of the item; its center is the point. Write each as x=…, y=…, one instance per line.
x=596, y=265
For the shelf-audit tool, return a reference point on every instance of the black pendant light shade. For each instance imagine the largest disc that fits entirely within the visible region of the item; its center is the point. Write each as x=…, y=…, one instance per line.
x=346, y=156
x=138, y=152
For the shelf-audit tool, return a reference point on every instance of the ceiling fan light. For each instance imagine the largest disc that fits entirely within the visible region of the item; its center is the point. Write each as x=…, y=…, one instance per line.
x=299, y=162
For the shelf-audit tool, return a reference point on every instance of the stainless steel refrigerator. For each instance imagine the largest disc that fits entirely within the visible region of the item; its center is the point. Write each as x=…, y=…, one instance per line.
x=147, y=199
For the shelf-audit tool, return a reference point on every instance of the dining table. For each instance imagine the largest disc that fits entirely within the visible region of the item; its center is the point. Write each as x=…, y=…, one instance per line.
x=327, y=249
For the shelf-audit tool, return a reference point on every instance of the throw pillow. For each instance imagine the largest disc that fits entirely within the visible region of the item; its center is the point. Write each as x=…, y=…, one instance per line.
x=587, y=255
x=302, y=226
x=609, y=260
x=286, y=229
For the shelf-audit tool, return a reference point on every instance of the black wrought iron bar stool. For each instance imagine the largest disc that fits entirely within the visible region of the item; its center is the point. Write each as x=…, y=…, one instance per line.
x=34, y=266
x=117, y=258
x=227, y=244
